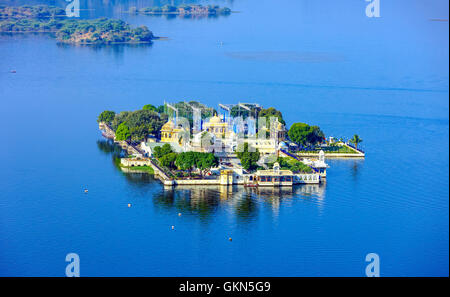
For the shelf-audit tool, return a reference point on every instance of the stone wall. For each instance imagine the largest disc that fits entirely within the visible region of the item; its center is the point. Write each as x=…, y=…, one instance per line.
x=128, y=162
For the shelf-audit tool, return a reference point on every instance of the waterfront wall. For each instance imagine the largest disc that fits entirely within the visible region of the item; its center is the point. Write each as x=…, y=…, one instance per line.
x=129, y=162
x=196, y=182
x=331, y=155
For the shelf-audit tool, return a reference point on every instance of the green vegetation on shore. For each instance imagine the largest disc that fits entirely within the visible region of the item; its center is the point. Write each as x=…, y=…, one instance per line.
x=303, y=134
x=185, y=161
x=271, y=112
x=356, y=140
x=292, y=164
x=331, y=149
x=140, y=124
x=42, y=18
x=184, y=9
x=146, y=169
x=123, y=132
x=248, y=157
x=106, y=116
x=149, y=119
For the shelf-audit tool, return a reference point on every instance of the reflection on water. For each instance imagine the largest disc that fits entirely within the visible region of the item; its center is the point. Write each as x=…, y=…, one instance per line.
x=186, y=16
x=205, y=201
x=244, y=203
x=356, y=167
x=116, y=49
x=108, y=147
x=136, y=179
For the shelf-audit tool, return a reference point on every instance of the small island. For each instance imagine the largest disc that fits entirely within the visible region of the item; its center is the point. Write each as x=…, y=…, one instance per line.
x=50, y=19
x=189, y=143
x=185, y=10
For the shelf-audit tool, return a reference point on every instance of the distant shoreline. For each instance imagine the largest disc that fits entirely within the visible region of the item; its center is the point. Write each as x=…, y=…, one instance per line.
x=51, y=19
x=86, y=43
x=175, y=13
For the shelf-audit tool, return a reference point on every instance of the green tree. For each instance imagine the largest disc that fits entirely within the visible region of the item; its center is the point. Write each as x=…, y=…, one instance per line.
x=303, y=134
x=123, y=132
x=168, y=160
x=140, y=132
x=160, y=109
x=166, y=149
x=119, y=118
x=206, y=161
x=356, y=140
x=248, y=159
x=271, y=112
x=161, y=151
x=157, y=152
x=191, y=160
x=140, y=122
x=185, y=160
x=106, y=116
x=150, y=107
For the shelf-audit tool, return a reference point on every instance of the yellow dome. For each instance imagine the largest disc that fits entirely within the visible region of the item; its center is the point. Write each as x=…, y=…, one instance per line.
x=215, y=120
x=280, y=126
x=168, y=126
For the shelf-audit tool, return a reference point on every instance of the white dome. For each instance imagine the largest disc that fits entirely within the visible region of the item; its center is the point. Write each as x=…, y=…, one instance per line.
x=282, y=145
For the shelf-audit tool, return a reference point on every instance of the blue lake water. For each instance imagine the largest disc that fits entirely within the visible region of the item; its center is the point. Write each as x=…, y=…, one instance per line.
x=319, y=62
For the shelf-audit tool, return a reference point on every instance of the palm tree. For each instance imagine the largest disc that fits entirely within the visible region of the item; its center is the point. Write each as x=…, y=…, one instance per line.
x=356, y=140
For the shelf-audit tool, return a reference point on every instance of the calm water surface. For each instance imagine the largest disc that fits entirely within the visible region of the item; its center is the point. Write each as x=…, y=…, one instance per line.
x=320, y=62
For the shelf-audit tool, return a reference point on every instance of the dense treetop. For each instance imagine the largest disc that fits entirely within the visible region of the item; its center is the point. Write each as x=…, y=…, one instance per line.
x=141, y=123
x=187, y=161
x=160, y=151
x=247, y=156
x=304, y=134
x=123, y=132
x=106, y=116
x=44, y=18
x=31, y=12
x=192, y=160
x=271, y=112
